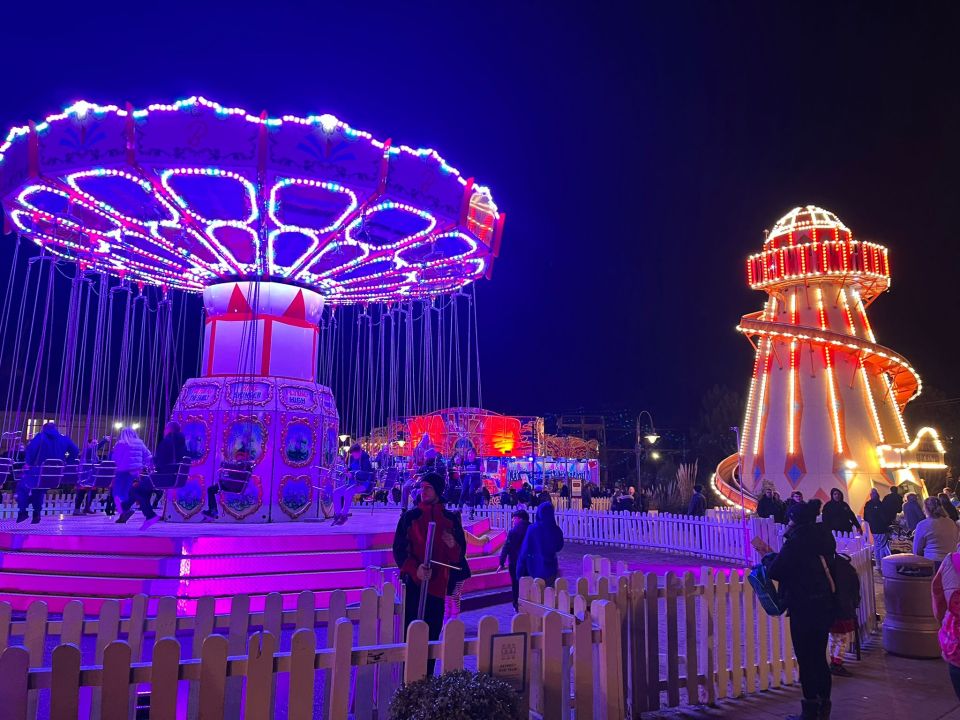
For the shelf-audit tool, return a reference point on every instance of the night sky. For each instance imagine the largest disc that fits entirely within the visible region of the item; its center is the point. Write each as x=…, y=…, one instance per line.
x=639, y=151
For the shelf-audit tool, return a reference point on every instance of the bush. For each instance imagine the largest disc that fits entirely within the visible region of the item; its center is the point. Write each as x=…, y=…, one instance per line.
x=459, y=695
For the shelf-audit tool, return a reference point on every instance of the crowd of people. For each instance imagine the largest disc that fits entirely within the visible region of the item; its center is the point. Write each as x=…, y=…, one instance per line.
x=131, y=485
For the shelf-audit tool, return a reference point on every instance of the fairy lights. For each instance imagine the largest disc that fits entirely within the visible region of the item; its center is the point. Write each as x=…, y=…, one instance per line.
x=792, y=429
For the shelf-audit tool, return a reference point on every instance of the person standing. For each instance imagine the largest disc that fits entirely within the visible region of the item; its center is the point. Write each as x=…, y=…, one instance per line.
x=698, y=502
x=838, y=516
x=510, y=553
x=409, y=552
x=802, y=569
x=949, y=510
x=912, y=512
x=48, y=444
x=946, y=608
x=541, y=544
x=892, y=505
x=767, y=505
x=129, y=485
x=586, y=495
x=876, y=517
x=937, y=535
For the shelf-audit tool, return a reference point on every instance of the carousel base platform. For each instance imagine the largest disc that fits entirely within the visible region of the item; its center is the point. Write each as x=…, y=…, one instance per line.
x=93, y=559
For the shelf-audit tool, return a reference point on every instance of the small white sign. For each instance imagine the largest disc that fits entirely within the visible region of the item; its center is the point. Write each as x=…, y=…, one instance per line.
x=508, y=659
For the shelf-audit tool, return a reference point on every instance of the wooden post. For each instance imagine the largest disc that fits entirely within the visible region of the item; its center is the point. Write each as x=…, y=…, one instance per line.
x=611, y=681
x=366, y=636
x=707, y=629
x=690, y=622
x=520, y=623
x=213, y=678
x=116, y=681
x=107, y=630
x=163, y=679
x=65, y=683
x=202, y=629
x=303, y=647
x=556, y=703
x=452, y=644
x=415, y=666
x=14, y=666
x=583, y=675
x=673, y=650
x=259, y=704
x=236, y=645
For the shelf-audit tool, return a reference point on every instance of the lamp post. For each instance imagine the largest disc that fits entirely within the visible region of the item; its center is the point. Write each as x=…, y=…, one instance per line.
x=650, y=436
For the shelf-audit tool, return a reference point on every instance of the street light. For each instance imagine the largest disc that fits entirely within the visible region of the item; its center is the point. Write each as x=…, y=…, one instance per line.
x=651, y=437
x=344, y=438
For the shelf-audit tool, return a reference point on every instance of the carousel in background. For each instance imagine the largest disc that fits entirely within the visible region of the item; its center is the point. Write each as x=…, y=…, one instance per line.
x=825, y=404
x=336, y=273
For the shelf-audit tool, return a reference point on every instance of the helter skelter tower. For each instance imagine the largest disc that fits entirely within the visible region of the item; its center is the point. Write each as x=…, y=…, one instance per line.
x=825, y=400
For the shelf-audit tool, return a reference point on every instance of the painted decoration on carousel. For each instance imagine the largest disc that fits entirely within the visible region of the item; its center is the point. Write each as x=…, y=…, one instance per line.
x=295, y=495
x=199, y=395
x=243, y=504
x=247, y=392
x=299, y=441
x=189, y=499
x=297, y=397
x=245, y=440
x=196, y=435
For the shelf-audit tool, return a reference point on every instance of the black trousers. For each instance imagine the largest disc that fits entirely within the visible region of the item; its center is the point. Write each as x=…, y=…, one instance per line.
x=432, y=615
x=31, y=497
x=212, y=493
x=811, y=630
x=515, y=587
x=84, y=498
x=140, y=493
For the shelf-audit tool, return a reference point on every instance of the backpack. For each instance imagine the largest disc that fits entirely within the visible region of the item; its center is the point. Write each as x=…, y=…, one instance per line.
x=766, y=592
x=847, y=583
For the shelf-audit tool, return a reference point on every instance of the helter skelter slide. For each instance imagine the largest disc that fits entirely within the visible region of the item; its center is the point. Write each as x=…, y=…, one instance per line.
x=825, y=404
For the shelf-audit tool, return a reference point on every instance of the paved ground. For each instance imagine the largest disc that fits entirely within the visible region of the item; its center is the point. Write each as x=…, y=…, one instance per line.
x=883, y=686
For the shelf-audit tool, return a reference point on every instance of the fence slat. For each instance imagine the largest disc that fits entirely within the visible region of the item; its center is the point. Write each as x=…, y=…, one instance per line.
x=750, y=636
x=366, y=635
x=653, y=642
x=690, y=630
x=673, y=650
x=303, y=646
x=415, y=661
x=519, y=624
x=388, y=674
x=71, y=629
x=736, y=632
x=583, y=675
x=202, y=628
x=306, y=610
x=486, y=628
x=14, y=665
x=108, y=628
x=6, y=612
x=555, y=701
x=259, y=704
x=166, y=623
x=213, y=671
x=236, y=645
x=452, y=643
x=273, y=624
x=65, y=678
x=611, y=681
x=163, y=679
x=116, y=681
x=707, y=630
x=723, y=647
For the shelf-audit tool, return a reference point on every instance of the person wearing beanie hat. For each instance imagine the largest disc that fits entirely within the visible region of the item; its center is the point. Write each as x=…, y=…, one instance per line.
x=409, y=552
x=803, y=568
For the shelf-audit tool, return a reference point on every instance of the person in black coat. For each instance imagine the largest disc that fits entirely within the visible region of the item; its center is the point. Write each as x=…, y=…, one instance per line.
x=877, y=519
x=698, y=502
x=510, y=554
x=838, y=516
x=171, y=449
x=767, y=505
x=803, y=570
x=586, y=496
x=892, y=504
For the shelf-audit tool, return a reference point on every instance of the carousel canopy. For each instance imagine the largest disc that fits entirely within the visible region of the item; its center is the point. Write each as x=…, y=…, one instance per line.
x=191, y=194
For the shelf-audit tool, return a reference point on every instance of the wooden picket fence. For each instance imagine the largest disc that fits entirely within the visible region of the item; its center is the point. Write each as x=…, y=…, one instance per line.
x=686, y=640
x=359, y=669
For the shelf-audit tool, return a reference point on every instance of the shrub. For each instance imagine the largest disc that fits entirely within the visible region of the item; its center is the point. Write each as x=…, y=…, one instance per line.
x=459, y=695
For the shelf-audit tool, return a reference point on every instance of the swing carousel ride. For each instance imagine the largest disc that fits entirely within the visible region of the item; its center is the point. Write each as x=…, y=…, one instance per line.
x=331, y=265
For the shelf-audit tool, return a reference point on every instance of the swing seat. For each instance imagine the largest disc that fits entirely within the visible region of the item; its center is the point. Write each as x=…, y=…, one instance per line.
x=51, y=475
x=363, y=479
x=104, y=474
x=71, y=474
x=85, y=476
x=171, y=477
x=390, y=478
x=234, y=476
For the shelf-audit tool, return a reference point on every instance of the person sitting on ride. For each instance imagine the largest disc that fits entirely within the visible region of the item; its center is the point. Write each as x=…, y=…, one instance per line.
x=359, y=479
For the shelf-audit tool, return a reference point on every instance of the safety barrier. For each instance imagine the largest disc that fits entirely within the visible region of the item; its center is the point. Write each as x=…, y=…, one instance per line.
x=359, y=669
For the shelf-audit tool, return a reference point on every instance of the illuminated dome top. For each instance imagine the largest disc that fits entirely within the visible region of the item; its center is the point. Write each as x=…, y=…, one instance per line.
x=803, y=224
x=192, y=193
x=810, y=243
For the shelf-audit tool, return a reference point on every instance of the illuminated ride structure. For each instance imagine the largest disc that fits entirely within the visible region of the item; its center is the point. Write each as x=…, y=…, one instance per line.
x=328, y=262
x=825, y=404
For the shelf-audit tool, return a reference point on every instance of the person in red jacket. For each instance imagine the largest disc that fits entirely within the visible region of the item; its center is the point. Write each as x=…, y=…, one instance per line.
x=409, y=552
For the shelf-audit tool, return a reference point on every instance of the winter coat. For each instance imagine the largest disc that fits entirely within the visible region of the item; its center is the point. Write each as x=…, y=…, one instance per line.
x=804, y=585
x=544, y=539
x=510, y=553
x=130, y=457
x=892, y=505
x=171, y=449
x=838, y=516
x=410, y=543
x=767, y=507
x=698, y=505
x=876, y=517
x=48, y=444
x=913, y=514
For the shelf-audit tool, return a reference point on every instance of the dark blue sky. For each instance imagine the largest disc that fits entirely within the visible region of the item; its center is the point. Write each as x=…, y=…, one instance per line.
x=638, y=149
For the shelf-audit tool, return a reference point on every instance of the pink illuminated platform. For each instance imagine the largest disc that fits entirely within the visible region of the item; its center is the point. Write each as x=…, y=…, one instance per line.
x=93, y=559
